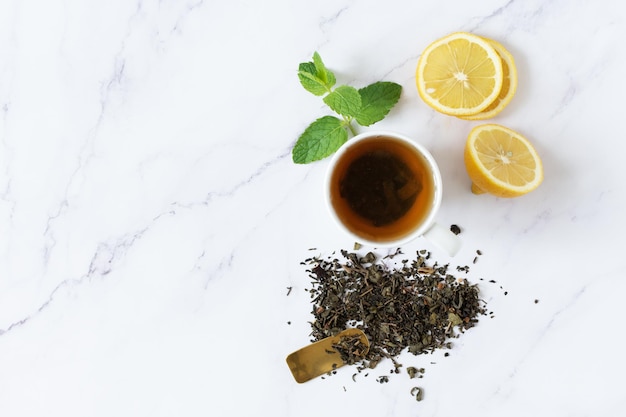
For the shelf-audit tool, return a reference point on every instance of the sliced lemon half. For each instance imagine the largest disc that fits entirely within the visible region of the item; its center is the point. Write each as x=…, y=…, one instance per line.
x=509, y=84
x=460, y=74
x=501, y=162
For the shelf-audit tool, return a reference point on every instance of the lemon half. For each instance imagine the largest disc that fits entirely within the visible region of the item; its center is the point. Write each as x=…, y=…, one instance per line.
x=460, y=74
x=501, y=162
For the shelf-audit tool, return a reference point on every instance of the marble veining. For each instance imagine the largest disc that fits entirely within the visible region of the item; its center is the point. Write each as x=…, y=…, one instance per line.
x=152, y=222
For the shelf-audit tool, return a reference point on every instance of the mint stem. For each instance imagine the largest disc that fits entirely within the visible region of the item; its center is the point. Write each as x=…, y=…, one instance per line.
x=351, y=129
x=347, y=121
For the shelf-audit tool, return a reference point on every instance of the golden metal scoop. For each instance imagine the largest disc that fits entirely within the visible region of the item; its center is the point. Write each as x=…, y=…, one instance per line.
x=321, y=357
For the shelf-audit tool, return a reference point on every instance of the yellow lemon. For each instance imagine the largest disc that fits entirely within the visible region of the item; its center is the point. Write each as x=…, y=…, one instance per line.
x=460, y=74
x=509, y=85
x=501, y=162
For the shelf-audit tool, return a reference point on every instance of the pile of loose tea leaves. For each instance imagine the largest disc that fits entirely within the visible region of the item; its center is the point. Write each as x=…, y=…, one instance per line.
x=350, y=348
x=404, y=305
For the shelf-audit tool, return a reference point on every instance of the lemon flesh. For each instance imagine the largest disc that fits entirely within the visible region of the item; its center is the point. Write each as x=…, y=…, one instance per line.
x=509, y=85
x=460, y=74
x=501, y=162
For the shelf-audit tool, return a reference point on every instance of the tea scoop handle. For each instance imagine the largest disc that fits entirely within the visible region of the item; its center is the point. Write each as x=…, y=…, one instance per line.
x=443, y=238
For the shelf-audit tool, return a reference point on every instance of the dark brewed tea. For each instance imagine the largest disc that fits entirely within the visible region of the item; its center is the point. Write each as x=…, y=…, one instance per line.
x=382, y=188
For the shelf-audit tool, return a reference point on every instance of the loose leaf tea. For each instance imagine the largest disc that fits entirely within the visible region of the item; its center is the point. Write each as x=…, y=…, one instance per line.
x=414, y=372
x=418, y=393
x=351, y=349
x=413, y=306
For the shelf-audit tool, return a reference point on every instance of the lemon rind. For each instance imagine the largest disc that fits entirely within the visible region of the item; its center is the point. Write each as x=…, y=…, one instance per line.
x=493, y=185
x=451, y=111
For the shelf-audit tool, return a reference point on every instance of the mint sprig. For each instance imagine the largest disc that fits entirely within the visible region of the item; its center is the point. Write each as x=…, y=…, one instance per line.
x=365, y=106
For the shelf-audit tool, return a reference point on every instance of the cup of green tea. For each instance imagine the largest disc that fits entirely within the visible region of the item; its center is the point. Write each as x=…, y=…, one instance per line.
x=384, y=189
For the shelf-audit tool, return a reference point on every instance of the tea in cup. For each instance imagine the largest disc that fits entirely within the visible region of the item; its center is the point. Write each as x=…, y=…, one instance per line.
x=384, y=190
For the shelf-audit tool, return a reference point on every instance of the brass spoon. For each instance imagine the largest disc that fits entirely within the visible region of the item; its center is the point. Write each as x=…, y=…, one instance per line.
x=320, y=358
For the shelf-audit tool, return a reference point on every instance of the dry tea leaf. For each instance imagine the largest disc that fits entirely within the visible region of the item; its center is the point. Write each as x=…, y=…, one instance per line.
x=411, y=306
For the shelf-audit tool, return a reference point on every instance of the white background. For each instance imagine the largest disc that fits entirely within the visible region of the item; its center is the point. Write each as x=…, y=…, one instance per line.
x=151, y=218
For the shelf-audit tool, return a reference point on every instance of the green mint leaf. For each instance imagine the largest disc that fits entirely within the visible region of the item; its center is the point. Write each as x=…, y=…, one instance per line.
x=309, y=79
x=344, y=100
x=315, y=77
x=322, y=72
x=321, y=139
x=376, y=101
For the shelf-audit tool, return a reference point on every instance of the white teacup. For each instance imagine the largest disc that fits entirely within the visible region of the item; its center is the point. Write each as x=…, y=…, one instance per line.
x=384, y=189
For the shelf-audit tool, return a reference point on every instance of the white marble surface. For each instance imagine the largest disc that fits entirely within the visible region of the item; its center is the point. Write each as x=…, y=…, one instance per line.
x=151, y=218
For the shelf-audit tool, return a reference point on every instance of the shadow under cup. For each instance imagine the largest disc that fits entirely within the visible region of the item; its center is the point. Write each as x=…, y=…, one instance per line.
x=383, y=188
